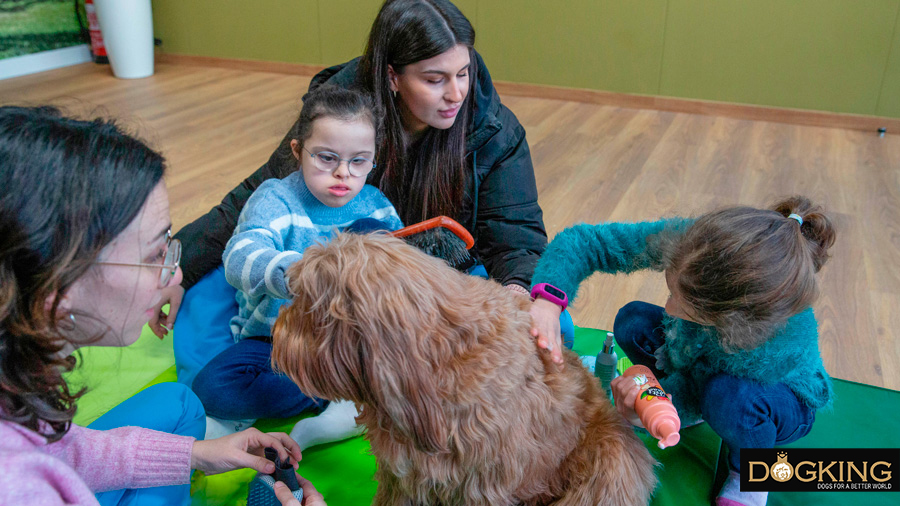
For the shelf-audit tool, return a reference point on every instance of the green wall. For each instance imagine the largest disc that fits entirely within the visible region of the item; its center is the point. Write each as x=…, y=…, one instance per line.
x=831, y=55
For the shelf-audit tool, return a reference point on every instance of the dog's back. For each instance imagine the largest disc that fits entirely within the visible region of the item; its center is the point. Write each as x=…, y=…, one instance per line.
x=522, y=430
x=461, y=408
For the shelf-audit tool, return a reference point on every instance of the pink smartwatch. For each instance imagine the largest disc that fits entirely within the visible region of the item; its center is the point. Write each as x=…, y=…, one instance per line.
x=551, y=293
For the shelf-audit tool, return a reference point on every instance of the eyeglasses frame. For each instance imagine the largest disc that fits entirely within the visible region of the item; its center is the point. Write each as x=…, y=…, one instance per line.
x=164, y=278
x=314, y=156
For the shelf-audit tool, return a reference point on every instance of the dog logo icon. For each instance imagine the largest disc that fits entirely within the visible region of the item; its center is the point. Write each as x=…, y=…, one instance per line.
x=782, y=471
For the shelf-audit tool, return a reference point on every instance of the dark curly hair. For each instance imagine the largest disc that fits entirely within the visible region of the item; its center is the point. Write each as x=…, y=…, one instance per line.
x=745, y=271
x=69, y=188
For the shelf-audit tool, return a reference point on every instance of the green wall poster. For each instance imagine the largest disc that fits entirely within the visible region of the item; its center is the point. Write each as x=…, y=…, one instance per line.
x=31, y=26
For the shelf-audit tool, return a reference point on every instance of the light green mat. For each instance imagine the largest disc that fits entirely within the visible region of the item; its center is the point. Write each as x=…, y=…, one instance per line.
x=343, y=471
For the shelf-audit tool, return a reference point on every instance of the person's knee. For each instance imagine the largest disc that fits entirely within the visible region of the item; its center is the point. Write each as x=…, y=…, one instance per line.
x=730, y=404
x=629, y=316
x=207, y=387
x=185, y=408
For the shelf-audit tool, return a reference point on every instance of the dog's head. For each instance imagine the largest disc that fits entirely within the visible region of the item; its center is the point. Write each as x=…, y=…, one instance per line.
x=373, y=320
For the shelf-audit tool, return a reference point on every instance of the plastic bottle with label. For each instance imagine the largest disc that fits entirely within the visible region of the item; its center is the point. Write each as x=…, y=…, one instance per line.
x=654, y=408
x=605, y=366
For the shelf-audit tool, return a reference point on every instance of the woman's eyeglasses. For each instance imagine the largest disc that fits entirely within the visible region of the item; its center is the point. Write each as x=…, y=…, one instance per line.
x=326, y=161
x=170, y=262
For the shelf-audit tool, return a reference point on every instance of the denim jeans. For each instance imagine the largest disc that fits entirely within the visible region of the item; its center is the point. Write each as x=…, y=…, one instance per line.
x=743, y=412
x=166, y=407
x=239, y=384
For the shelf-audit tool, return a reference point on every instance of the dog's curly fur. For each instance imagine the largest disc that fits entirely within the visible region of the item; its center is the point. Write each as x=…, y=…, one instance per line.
x=460, y=406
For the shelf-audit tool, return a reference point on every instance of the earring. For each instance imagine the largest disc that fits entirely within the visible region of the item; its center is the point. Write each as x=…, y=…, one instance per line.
x=72, y=317
x=395, y=94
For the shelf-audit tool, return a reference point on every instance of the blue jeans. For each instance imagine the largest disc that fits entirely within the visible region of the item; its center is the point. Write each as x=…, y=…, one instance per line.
x=744, y=413
x=202, y=328
x=166, y=407
x=239, y=383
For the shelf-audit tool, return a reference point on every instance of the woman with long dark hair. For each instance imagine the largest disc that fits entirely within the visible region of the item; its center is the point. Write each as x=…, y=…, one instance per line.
x=449, y=147
x=85, y=256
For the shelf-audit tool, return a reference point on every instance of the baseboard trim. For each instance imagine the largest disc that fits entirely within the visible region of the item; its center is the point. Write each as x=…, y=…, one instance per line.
x=626, y=100
x=300, y=69
x=45, y=60
x=704, y=107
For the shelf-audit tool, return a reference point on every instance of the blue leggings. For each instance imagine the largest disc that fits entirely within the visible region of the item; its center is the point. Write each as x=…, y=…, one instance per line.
x=228, y=389
x=166, y=407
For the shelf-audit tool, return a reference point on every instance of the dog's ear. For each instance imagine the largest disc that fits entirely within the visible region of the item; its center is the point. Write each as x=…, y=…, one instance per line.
x=314, y=338
x=404, y=388
x=363, y=327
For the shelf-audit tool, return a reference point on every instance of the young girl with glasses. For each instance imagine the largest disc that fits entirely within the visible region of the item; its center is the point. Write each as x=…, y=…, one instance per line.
x=334, y=143
x=737, y=342
x=84, y=258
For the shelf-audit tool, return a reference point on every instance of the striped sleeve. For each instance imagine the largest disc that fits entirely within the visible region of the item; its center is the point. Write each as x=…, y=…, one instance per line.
x=255, y=257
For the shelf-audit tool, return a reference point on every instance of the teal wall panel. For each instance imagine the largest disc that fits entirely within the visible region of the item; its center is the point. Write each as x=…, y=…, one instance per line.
x=604, y=44
x=889, y=99
x=813, y=54
x=269, y=30
x=831, y=55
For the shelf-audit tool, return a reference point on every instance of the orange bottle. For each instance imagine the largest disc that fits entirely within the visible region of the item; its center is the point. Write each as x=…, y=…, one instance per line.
x=654, y=408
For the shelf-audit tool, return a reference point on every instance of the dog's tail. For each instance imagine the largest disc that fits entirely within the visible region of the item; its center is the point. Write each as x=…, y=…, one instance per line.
x=630, y=478
x=620, y=472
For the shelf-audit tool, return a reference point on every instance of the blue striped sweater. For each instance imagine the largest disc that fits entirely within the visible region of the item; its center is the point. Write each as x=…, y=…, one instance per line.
x=279, y=221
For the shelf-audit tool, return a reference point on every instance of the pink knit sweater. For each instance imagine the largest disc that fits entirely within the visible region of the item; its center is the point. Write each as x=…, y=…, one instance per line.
x=87, y=461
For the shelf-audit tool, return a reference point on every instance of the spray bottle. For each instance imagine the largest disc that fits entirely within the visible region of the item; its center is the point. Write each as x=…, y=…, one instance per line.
x=605, y=366
x=654, y=408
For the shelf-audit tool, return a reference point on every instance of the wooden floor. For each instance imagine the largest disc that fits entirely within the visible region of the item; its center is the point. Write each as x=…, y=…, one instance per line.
x=593, y=163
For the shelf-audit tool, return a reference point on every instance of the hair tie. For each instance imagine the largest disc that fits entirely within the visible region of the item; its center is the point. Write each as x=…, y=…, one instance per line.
x=796, y=217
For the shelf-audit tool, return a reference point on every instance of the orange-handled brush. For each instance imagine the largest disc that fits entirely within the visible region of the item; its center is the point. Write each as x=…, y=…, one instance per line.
x=441, y=237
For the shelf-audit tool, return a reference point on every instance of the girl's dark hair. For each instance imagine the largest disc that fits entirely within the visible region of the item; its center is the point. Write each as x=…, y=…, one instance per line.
x=334, y=102
x=745, y=271
x=426, y=177
x=69, y=188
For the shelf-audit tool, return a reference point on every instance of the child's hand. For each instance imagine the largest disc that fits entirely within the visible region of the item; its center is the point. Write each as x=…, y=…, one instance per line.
x=545, y=327
x=625, y=392
x=161, y=323
x=311, y=496
x=243, y=449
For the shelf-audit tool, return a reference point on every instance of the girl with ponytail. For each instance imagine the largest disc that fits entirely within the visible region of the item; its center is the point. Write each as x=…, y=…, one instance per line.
x=736, y=343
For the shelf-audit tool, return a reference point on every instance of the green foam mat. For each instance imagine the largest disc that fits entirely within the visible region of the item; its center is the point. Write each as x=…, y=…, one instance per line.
x=343, y=471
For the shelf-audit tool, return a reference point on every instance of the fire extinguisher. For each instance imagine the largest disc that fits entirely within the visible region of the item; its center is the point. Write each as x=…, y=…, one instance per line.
x=90, y=29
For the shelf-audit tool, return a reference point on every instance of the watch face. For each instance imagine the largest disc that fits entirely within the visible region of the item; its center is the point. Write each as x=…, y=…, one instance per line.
x=556, y=292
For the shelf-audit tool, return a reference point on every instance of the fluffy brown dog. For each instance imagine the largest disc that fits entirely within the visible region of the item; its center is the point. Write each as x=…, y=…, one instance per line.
x=460, y=406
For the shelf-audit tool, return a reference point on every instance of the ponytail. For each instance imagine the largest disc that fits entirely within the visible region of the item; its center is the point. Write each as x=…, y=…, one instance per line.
x=745, y=271
x=815, y=227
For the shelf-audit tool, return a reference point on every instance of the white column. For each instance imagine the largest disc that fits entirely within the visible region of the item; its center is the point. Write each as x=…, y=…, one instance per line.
x=127, y=27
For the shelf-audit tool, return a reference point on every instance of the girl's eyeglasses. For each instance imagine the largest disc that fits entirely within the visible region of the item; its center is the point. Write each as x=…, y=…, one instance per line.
x=326, y=161
x=169, y=265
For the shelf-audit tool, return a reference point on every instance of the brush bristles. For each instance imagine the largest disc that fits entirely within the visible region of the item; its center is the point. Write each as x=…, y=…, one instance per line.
x=444, y=244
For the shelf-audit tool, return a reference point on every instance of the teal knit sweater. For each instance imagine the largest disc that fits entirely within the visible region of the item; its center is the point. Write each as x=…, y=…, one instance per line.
x=691, y=354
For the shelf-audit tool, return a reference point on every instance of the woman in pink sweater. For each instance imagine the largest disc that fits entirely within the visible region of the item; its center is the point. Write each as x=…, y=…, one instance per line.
x=85, y=251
